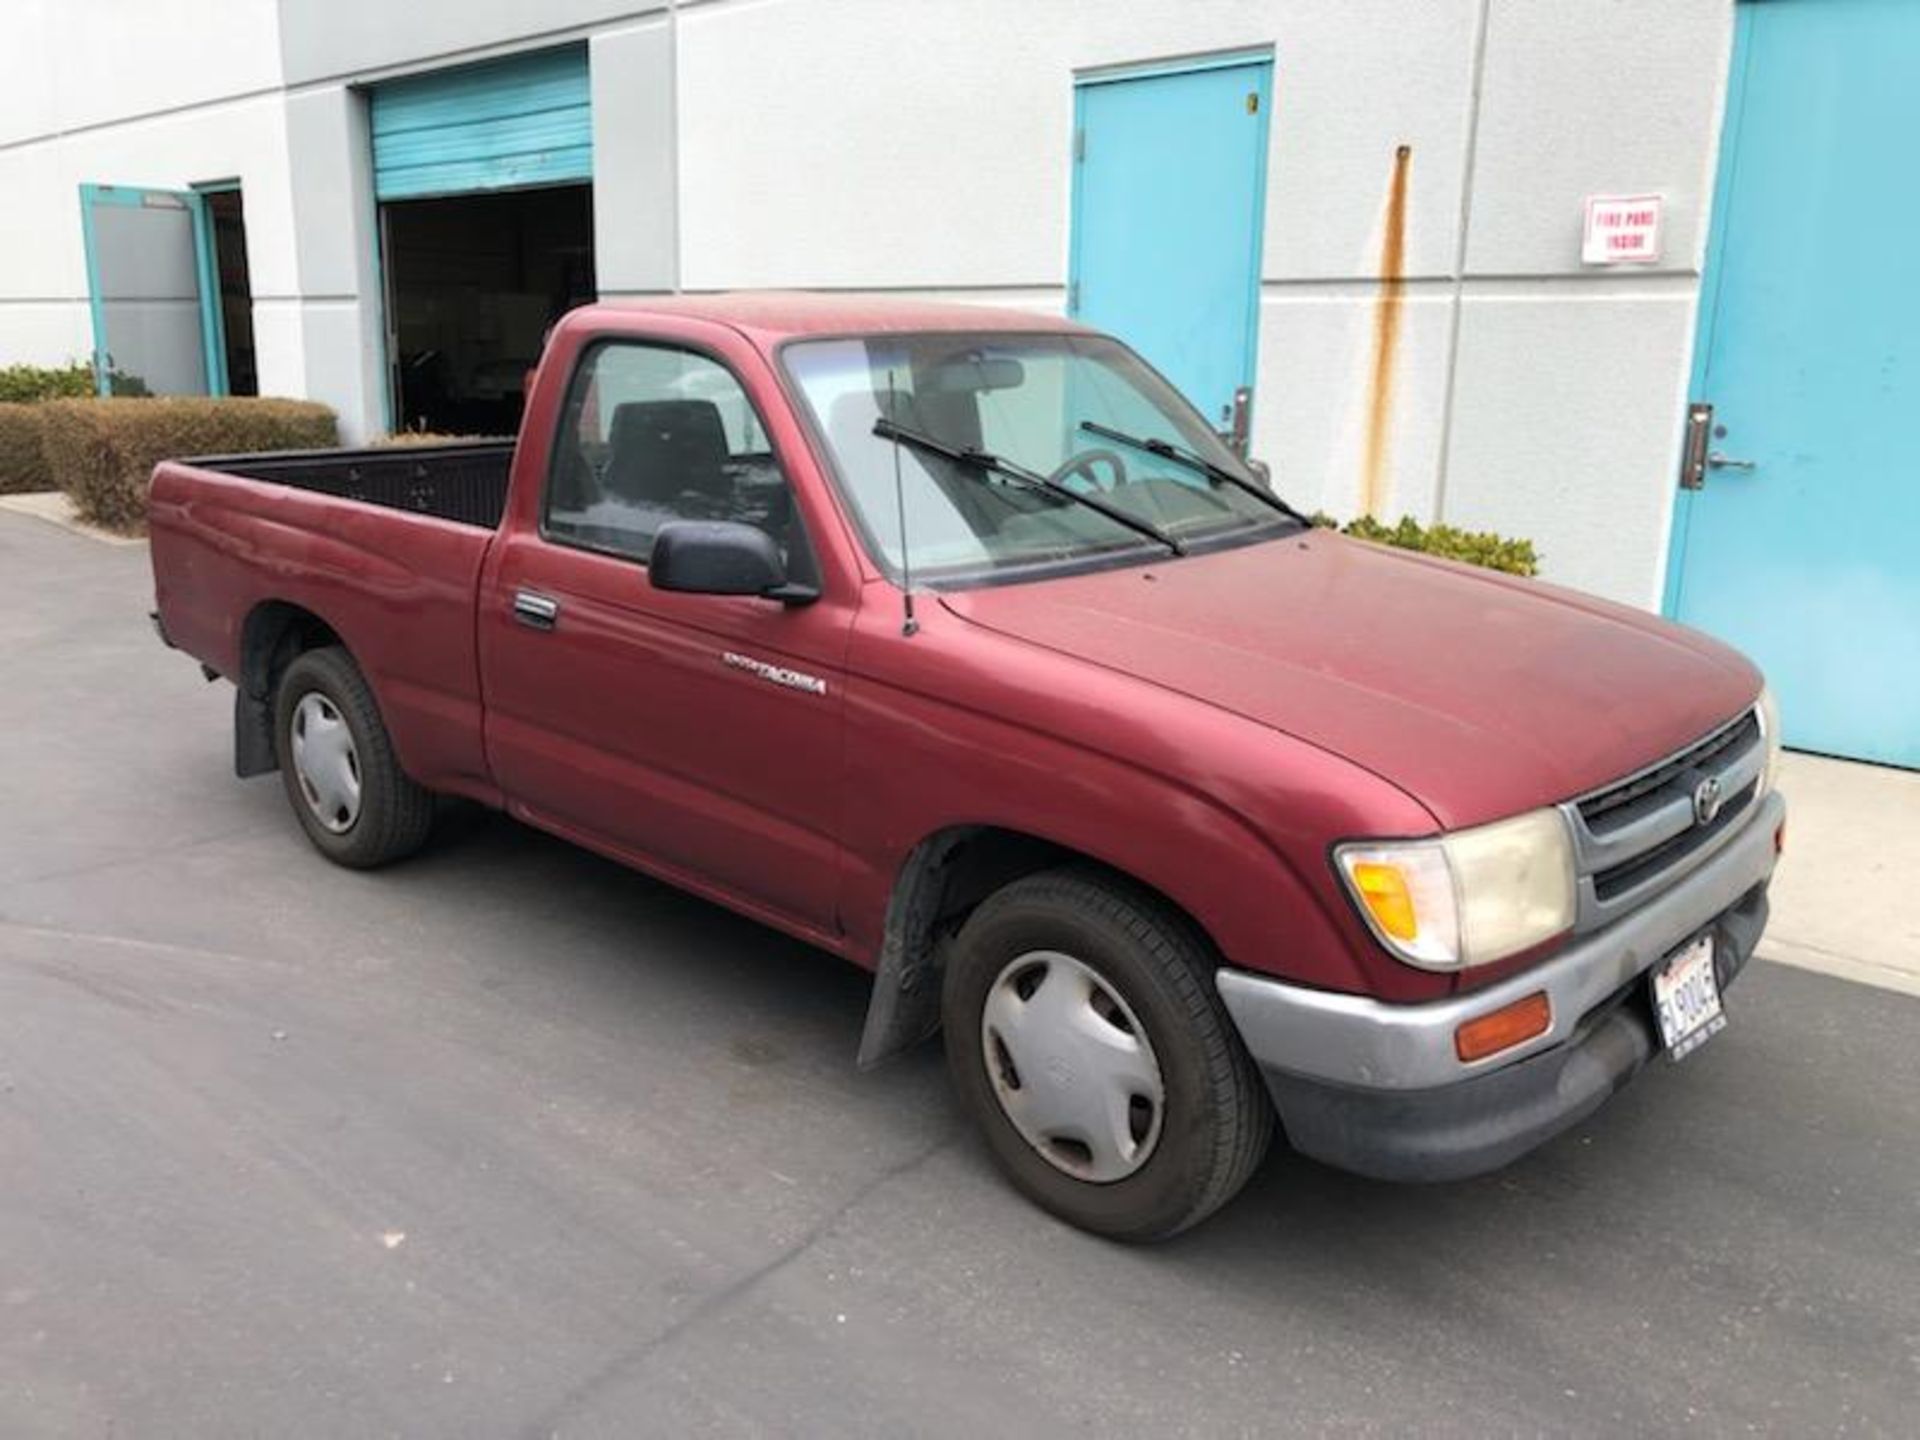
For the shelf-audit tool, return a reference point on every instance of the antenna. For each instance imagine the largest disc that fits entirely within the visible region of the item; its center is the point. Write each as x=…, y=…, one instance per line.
x=908, y=625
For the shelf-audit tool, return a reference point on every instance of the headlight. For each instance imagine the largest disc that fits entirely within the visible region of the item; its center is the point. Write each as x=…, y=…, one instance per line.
x=1769, y=709
x=1468, y=898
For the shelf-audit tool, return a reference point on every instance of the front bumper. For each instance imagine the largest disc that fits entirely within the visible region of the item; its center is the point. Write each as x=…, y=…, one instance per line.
x=1377, y=1088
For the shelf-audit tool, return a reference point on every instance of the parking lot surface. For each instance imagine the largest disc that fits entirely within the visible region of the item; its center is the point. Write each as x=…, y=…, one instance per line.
x=509, y=1141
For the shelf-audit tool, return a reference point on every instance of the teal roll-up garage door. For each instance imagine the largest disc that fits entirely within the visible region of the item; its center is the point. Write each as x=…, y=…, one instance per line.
x=495, y=126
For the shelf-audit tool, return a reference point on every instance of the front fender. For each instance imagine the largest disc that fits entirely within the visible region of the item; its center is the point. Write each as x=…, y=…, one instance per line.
x=1227, y=819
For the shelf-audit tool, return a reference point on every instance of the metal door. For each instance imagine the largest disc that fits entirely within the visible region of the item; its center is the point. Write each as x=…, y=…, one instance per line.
x=1799, y=544
x=499, y=125
x=151, y=283
x=1168, y=192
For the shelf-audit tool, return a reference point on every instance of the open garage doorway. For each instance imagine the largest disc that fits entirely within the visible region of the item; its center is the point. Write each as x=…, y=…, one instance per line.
x=473, y=281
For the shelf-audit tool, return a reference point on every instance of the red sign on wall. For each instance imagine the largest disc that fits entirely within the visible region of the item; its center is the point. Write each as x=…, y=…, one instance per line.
x=1621, y=229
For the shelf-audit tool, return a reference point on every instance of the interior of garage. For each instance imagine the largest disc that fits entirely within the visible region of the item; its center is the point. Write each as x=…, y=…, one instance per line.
x=473, y=283
x=226, y=215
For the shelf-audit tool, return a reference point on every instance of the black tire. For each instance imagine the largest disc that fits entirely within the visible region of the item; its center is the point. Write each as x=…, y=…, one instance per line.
x=395, y=814
x=1216, y=1119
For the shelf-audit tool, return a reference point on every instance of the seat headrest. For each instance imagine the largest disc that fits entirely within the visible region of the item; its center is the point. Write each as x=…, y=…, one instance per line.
x=658, y=448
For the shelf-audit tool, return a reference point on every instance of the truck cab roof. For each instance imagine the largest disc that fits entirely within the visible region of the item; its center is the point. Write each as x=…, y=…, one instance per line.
x=772, y=316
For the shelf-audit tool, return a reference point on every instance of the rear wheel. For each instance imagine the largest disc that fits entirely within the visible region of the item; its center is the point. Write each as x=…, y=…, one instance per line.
x=1084, y=1035
x=342, y=779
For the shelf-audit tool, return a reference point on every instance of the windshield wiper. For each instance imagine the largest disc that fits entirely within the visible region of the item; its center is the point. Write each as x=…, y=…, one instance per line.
x=1167, y=450
x=977, y=460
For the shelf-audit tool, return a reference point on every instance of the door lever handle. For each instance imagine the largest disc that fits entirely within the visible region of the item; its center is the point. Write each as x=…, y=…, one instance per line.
x=1727, y=462
x=532, y=608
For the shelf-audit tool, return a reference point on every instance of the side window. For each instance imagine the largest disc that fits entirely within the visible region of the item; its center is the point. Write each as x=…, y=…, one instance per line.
x=652, y=434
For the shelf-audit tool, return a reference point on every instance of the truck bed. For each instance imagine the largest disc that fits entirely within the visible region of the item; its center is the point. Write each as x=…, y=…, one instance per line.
x=383, y=547
x=465, y=481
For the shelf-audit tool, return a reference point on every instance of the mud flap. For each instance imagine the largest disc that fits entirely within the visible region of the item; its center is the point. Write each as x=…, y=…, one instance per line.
x=905, y=1008
x=252, y=735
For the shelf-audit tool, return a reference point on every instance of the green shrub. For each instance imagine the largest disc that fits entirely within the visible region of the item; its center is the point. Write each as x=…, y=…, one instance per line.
x=22, y=384
x=102, y=452
x=22, y=466
x=1474, y=547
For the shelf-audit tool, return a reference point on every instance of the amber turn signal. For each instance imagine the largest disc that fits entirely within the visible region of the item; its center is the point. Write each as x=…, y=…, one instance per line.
x=1504, y=1028
x=1383, y=890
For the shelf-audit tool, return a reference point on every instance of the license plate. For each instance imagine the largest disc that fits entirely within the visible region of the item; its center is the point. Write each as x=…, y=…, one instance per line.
x=1686, y=997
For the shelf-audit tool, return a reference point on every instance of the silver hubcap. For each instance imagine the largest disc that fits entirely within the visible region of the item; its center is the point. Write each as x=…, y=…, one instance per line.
x=1071, y=1067
x=325, y=763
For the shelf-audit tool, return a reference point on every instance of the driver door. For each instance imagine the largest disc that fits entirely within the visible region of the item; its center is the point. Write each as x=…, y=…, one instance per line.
x=696, y=736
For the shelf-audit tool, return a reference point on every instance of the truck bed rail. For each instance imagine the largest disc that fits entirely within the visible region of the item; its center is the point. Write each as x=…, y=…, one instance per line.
x=465, y=481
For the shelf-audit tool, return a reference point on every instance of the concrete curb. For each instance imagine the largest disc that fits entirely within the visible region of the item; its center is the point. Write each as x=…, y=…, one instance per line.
x=1841, y=967
x=55, y=508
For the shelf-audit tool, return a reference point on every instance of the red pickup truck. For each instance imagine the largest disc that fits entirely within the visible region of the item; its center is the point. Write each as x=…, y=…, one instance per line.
x=955, y=642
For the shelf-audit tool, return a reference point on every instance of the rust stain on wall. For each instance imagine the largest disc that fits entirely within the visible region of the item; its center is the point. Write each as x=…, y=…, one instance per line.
x=1386, y=336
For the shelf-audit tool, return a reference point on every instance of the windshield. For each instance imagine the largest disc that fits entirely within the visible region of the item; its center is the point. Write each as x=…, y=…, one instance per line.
x=1024, y=400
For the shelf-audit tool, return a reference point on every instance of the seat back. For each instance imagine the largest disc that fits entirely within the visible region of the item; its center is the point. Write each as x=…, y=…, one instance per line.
x=659, y=449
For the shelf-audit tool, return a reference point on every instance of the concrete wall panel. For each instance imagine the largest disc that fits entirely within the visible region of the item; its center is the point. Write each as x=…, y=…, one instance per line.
x=1324, y=404
x=848, y=144
x=343, y=360
x=336, y=251
x=1621, y=98
x=345, y=37
x=66, y=66
x=635, y=184
x=44, y=332
x=1567, y=414
x=29, y=79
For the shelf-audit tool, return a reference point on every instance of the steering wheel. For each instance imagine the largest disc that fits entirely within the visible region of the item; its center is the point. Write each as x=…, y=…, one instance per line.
x=1082, y=465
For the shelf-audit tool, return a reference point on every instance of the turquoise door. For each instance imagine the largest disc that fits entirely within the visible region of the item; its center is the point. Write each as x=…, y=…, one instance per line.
x=1802, y=544
x=1168, y=191
x=152, y=285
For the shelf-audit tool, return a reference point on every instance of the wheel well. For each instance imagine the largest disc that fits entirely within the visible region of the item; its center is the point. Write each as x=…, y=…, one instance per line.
x=274, y=635
x=942, y=880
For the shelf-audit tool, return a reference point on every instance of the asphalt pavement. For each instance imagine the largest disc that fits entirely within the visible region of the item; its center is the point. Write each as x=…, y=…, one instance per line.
x=509, y=1141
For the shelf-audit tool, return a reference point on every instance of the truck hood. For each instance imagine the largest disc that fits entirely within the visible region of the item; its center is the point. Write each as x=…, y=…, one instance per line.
x=1480, y=695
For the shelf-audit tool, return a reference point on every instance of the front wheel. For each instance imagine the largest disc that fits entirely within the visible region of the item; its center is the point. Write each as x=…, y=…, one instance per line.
x=1084, y=1035
x=346, y=787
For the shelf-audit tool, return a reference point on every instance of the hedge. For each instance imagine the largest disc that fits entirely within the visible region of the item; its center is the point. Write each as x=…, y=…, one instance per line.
x=1475, y=547
x=22, y=467
x=102, y=452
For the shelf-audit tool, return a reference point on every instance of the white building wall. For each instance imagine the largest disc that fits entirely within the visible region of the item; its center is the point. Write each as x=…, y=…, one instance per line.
x=161, y=93
x=1570, y=392
x=840, y=143
x=925, y=148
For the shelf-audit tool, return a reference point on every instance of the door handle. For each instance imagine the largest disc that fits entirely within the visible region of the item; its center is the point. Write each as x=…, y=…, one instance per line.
x=1693, y=454
x=534, y=609
x=1727, y=462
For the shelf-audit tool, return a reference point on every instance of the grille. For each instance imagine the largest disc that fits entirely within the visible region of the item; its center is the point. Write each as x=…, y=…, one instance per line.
x=1634, y=834
x=1643, y=790
x=1611, y=883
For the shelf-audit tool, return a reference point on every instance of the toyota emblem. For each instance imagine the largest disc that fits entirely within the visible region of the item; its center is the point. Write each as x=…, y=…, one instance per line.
x=1706, y=800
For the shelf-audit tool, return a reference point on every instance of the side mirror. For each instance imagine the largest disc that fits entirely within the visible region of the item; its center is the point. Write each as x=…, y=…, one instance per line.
x=1263, y=472
x=722, y=557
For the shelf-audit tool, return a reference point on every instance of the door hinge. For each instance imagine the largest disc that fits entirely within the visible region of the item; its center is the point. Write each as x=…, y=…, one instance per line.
x=1080, y=144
